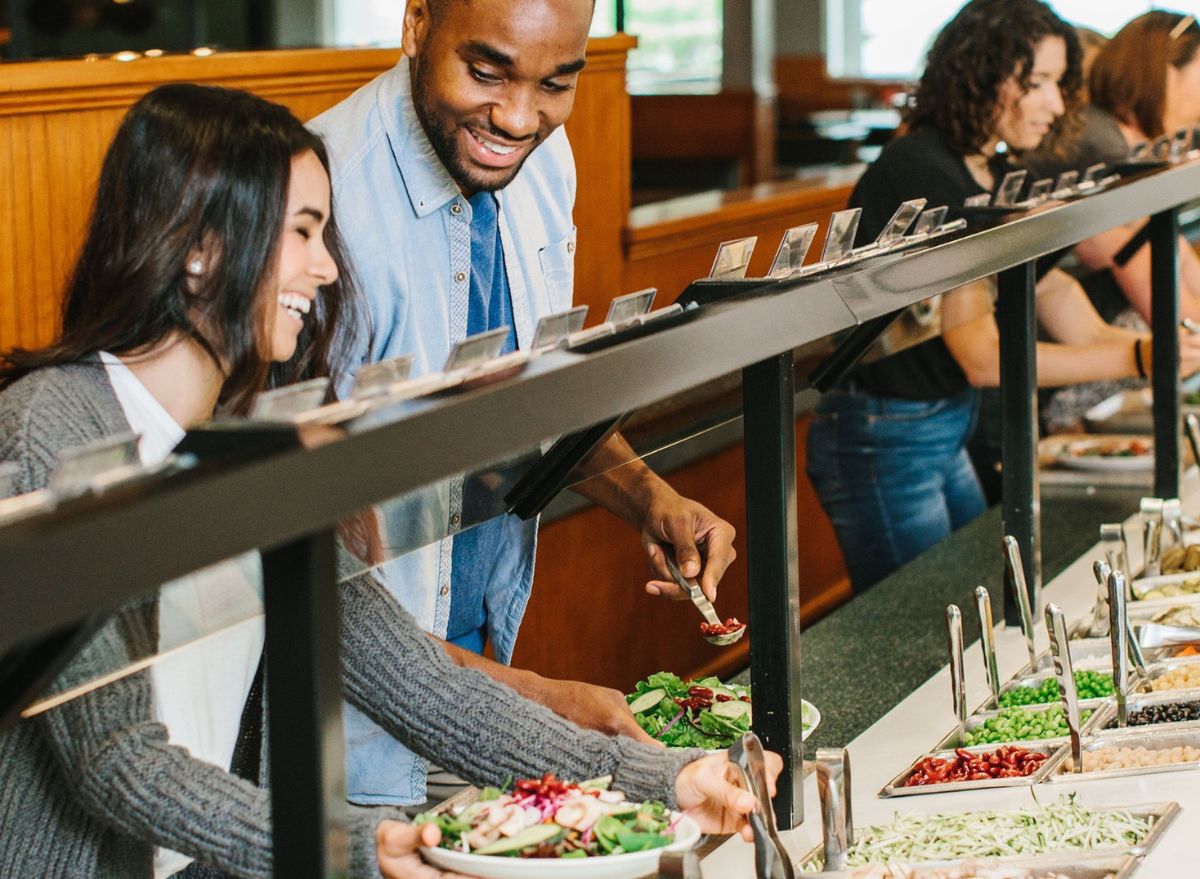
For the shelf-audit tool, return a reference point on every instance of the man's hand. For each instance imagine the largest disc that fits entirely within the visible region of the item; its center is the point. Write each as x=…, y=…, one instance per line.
x=707, y=790
x=396, y=846
x=702, y=540
x=600, y=708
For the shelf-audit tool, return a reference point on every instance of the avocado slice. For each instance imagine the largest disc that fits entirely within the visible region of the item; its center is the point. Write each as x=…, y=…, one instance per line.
x=535, y=835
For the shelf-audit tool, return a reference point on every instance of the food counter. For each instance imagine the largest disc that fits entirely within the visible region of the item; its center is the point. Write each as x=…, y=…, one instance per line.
x=127, y=530
x=861, y=681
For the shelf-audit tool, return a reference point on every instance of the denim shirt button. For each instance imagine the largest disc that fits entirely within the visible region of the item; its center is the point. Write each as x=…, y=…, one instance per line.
x=445, y=589
x=455, y=519
x=460, y=276
x=456, y=209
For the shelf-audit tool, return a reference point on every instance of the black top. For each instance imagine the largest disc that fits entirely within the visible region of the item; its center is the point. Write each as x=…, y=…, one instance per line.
x=917, y=165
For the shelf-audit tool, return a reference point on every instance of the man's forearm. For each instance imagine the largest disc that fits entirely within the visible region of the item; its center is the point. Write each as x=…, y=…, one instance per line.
x=619, y=481
x=523, y=682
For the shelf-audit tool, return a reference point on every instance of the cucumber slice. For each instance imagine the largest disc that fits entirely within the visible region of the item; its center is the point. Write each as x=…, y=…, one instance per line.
x=647, y=700
x=535, y=835
x=731, y=709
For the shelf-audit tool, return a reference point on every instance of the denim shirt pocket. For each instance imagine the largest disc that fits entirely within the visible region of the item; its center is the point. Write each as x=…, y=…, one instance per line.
x=557, y=260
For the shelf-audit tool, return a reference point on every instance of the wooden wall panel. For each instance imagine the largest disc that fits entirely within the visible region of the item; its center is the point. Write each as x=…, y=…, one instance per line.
x=57, y=118
x=599, y=130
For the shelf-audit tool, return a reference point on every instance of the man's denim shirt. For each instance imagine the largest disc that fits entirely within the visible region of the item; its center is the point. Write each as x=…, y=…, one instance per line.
x=407, y=227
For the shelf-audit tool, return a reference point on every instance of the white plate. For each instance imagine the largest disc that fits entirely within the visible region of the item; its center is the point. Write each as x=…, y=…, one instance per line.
x=626, y=866
x=1111, y=463
x=813, y=713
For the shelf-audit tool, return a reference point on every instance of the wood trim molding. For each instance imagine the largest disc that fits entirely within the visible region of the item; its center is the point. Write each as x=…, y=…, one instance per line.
x=49, y=86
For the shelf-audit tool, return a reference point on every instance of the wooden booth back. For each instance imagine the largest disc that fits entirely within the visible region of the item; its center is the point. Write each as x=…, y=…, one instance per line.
x=57, y=118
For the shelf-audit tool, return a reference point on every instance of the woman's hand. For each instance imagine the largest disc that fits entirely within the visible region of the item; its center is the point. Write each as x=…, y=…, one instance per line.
x=396, y=845
x=1189, y=353
x=707, y=790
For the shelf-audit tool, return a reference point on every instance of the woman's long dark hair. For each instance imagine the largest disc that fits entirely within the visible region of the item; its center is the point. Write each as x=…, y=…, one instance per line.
x=1129, y=76
x=197, y=167
x=974, y=55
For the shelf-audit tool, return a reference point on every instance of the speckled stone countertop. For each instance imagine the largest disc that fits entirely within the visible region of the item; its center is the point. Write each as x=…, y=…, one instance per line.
x=872, y=652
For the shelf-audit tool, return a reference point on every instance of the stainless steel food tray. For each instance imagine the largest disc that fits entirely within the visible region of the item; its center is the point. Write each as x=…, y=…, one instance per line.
x=895, y=787
x=1141, y=700
x=1142, y=585
x=1152, y=737
x=1037, y=680
x=951, y=741
x=1160, y=815
x=1155, y=670
x=1073, y=867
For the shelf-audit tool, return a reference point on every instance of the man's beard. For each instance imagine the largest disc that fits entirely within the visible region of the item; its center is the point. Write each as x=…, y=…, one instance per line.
x=448, y=149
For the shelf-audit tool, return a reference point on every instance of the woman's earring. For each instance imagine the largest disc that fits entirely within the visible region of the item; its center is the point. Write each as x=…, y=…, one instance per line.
x=195, y=268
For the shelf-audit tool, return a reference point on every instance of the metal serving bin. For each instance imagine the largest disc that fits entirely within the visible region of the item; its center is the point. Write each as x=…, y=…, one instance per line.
x=1160, y=816
x=1156, y=670
x=1103, y=725
x=896, y=788
x=1056, y=766
x=1141, y=586
x=1037, y=680
x=1077, y=867
x=951, y=741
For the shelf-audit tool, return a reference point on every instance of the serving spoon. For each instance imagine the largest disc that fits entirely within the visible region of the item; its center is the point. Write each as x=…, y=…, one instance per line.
x=692, y=588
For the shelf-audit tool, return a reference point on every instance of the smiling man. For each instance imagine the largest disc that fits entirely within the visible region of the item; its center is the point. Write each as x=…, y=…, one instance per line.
x=454, y=185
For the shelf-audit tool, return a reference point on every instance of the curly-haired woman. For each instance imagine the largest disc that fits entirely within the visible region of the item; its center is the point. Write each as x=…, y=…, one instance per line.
x=887, y=449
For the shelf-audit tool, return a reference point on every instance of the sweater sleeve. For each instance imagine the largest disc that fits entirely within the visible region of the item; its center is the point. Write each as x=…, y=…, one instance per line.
x=125, y=773
x=467, y=722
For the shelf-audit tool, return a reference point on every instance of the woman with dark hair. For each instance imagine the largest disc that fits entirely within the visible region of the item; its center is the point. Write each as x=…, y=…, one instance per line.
x=212, y=270
x=887, y=449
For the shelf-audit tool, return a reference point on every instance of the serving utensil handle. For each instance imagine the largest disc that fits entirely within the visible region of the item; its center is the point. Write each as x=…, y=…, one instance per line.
x=1119, y=640
x=1064, y=670
x=837, y=821
x=987, y=642
x=771, y=860
x=1012, y=555
x=958, y=684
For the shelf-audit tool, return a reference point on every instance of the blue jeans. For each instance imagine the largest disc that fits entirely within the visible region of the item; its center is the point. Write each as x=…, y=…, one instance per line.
x=893, y=475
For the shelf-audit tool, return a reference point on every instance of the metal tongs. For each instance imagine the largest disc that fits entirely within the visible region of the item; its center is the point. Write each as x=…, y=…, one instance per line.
x=1119, y=639
x=700, y=600
x=1056, y=626
x=1102, y=618
x=1012, y=557
x=987, y=642
x=837, y=819
x=1151, y=509
x=771, y=860
x=1159, y=635
x=958, y=684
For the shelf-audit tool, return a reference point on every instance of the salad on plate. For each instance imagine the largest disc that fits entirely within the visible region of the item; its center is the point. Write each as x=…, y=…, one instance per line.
x=548, y=818
x=703, y=713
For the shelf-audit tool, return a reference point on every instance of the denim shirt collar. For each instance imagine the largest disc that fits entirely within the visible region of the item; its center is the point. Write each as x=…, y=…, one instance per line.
x=426, y=180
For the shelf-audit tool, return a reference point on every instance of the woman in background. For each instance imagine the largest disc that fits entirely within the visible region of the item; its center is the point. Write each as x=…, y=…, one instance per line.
x=887, y=448
x=211, y=270
x=1144, y=83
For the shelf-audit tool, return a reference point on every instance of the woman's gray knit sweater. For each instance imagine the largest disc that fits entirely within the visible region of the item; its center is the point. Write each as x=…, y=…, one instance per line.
x=89, y=788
